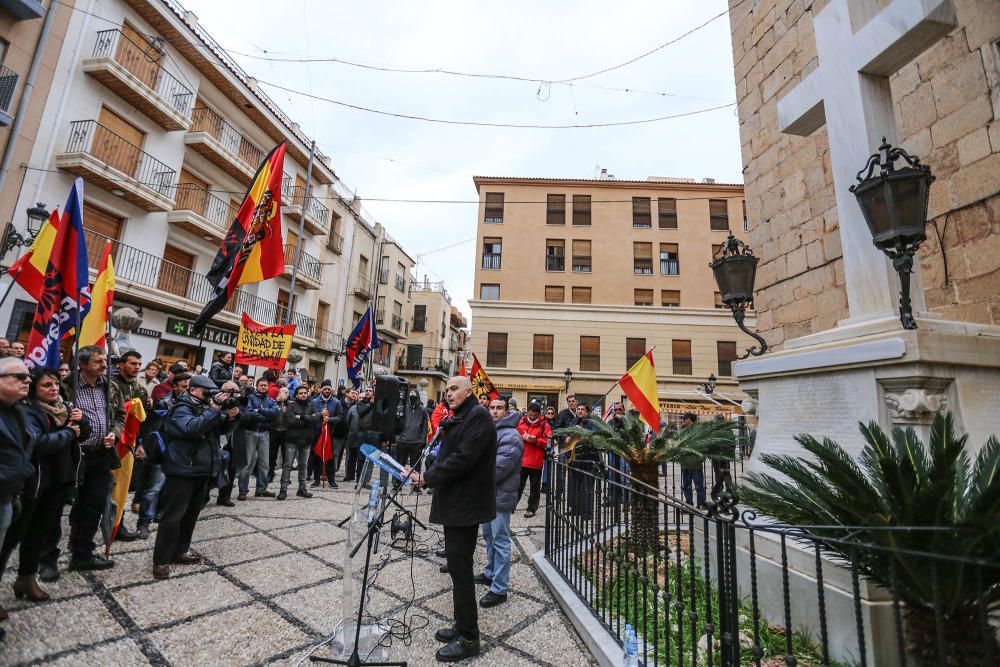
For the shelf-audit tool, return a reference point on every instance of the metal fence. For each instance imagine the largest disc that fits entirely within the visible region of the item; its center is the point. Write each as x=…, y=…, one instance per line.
x=89, y=136
x=143, y=62
x=720, y=586
x=8, y=82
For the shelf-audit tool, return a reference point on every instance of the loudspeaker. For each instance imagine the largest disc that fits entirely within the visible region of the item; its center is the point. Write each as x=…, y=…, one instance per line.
x=390, y=403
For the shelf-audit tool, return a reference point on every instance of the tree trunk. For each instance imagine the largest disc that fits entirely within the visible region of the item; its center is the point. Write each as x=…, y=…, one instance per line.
x=963, y=644
x=644, y=533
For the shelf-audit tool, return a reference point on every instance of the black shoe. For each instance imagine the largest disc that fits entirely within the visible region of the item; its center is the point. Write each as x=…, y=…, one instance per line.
x=529, y=514
x=125, y=535
x=445, y=635
x=315, y=482
x=264, y=494
x=93, y=562
x=48, y=573
x=142, y=531
x=225, y=503
x=483, y=580
x=333, y=484
x=492, y=599
x=458, y=649
x=443, y=569
x=282, y=495
x=347, y=479
x=302, y=493
x=440, y=553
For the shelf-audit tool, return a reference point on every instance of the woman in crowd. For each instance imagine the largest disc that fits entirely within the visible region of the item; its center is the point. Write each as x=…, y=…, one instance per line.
x=536, y=434
x=54, y=429
x=151, y=376
x=301, y=419
x=550, y=417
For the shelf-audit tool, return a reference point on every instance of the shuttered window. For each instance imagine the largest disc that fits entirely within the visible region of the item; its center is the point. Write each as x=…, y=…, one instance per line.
x=667, y=212
x=718, y=214
x=670, y=298
x=494, y=208
x=643, y=297
x=727, y=355
x=555, y=211
x=581, y=295
x=590, y=353
x=555, y=293
x=496, y=350
x=541, y=356
x=581, y=209
x=681, y=355
x=640, y=212
x=634, y=349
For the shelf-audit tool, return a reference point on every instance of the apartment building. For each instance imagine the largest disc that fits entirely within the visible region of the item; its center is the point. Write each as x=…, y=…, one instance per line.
x=576, y=279
x=436, y=339
x=167, y=131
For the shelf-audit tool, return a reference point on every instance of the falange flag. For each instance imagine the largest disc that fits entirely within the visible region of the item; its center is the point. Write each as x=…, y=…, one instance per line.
x=360, y=343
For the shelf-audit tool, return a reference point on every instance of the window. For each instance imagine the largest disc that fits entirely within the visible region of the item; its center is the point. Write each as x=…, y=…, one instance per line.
x=542, y=351
x=640, y=212
x=681, y=354
x=718, y=215
x=590, y=353
x=727, y=355
x=581, y=295
x=670, y=263
x=670, y=298
x=555, y=255
x=718, y=301
x=634, y=349
x=642, y=258
x=581, y=256
x=643, y=297
x=581, y=210
x=555, y=213
x=667, y=210
x=363, y=265
x=746, y=220
x=492, y=249
x=496, y=350
x=488, y=292
x=419, y=318
x=380, y=310
x=494, y=208
x=555, y=293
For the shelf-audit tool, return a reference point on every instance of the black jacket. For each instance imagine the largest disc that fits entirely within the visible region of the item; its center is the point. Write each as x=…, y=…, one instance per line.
x=220, y=373
x=54, y=450
x=464, y=474
x=191, y=432
x=15, y=463
x=301, y=419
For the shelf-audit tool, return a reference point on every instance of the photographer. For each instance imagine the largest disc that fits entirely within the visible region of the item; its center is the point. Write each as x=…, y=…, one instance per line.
x=192, y=431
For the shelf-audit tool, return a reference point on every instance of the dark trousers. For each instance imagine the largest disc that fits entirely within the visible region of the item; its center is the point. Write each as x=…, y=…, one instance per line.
x=92, y=496
x=277, y=443
x=30, y=528
x=694, y=476
x=316, y=465
x=581, y=488
x=353, y=454
x=181, y=499
x=534, y=492
x=408, y=453
x=459, y=548
x=50, y=535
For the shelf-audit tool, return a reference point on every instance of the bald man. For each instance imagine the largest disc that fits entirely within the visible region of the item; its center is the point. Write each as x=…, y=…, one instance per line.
x=464, y=479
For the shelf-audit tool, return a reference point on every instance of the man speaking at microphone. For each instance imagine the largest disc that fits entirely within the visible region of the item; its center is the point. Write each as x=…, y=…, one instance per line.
x=464, y=481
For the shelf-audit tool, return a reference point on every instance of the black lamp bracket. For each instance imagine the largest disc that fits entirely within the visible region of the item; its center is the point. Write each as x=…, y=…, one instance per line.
x=739, y=313
x=885, y=160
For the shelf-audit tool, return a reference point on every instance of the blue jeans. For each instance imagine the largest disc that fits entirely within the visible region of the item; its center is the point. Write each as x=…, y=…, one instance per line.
x=697, y=476
x=6, y=517
x=497, y=535
x=257, y=444
x=151, y=496
x=617, y=485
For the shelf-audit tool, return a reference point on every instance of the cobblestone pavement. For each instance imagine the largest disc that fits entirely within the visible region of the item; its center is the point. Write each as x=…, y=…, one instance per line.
x=268, y=590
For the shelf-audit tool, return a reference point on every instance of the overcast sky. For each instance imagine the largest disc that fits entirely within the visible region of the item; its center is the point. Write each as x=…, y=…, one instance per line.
x=385, y=157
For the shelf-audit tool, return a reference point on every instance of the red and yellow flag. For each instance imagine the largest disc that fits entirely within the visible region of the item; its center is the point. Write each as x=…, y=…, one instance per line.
x=639, y=384
x=135, y=414
x=481, y=383
x=29, y=269
x=94, y=329
x=252, y=250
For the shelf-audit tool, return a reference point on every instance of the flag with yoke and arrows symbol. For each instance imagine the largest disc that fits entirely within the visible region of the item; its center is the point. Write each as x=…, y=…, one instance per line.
x=252, y=250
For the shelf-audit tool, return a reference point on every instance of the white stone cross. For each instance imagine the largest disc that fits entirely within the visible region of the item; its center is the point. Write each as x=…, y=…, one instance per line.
x=858, y=51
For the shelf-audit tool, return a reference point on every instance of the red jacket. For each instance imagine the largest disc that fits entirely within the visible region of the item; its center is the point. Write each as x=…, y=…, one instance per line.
x=534, y=452
x=440, y=412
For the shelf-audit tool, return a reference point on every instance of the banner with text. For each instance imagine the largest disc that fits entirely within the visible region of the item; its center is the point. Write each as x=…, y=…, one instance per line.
x=264, y=346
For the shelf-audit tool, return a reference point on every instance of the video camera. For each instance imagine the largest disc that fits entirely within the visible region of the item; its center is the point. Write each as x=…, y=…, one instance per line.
x=234, y=400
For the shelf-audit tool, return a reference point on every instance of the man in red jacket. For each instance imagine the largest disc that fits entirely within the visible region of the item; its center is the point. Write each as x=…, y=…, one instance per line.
x=536, y=434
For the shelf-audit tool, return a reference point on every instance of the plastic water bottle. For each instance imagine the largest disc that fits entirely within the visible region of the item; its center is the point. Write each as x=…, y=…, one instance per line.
x=373, y=501
x=630, y=644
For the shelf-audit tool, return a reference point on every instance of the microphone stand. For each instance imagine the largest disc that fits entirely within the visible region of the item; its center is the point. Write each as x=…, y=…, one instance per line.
x=374, y=526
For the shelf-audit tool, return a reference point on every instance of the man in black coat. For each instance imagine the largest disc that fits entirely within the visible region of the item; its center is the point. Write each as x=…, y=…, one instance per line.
x=464, y=479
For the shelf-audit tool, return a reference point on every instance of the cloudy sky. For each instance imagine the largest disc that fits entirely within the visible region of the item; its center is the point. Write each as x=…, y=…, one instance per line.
x=384, y=157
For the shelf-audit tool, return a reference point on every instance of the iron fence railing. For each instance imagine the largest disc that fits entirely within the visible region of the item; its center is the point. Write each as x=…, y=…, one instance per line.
x=233, y=142
x=397, y=322
x=335, y=242
x=431, y=364
x=329, y=340
x=309, y=266
x=721, y=586
x=8, y=82
x=491, y=260
x=195, y=198
x=419, y=323
x=362, y=286
x=400, y=283
x=296, y=195
x=92, y=138
x=143, y=62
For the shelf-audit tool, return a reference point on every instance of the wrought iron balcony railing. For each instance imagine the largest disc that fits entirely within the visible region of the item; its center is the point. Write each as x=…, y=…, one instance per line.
x=193, y=197
x=432, y=364
x=143, y=62
x=400, y=283
x=309, y=266
x=335, y=242
x=397, y=322
x=8, y=82
x=236, y=145
x=362, y=286
x=329, y=340
x=419, y=324
x=92, y=138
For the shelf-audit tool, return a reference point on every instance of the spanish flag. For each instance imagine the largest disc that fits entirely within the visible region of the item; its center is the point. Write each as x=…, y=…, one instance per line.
x=135, y=414
x=29, y=269
x=481, y=383
x=252, y=250
x=639, y=384
x=102, y=295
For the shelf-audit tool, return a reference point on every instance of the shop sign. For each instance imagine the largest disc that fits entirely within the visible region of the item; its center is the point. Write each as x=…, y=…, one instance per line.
x=180, y=327
x=151, y=333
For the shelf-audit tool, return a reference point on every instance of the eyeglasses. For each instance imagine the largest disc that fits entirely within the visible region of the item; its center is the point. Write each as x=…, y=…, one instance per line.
x=20, y=377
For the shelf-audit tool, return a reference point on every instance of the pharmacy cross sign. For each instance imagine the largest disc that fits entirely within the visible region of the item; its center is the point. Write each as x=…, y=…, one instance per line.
x=858, y=49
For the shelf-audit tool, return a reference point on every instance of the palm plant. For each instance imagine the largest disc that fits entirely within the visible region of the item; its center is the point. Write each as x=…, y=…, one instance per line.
x=704, y=440
x=944, y=569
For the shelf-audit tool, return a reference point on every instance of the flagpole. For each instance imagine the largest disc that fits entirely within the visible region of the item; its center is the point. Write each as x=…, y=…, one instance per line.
x=10, y=288
x=298, y=244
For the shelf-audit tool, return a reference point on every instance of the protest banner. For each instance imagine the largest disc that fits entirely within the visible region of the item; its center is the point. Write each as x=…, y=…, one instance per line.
x=264, y=346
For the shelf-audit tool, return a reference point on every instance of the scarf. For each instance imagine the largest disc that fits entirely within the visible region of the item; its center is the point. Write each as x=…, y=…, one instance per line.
x=57, y=412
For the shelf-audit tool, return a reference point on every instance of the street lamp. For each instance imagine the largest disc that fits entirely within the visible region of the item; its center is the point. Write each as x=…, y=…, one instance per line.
x=37, y=215
x=894, y=203
x=708, y=387
x=735, y=270
x=567, y=378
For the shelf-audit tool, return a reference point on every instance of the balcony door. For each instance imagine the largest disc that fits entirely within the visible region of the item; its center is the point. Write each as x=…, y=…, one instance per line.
x=117, y=142
x=414, y=357
x=299, y=193
x=137, y=56
x=192, y=193
x=322, y=313
x=99, y=225
x=175, y=271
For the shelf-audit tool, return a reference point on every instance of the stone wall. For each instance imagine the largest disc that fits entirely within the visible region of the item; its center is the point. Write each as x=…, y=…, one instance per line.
x=948, y=114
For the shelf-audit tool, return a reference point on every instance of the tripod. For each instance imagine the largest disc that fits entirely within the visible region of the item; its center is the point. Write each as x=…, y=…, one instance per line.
x=374, y=527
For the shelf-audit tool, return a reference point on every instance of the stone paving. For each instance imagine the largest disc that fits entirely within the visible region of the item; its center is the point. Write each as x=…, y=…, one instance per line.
x=268, y=591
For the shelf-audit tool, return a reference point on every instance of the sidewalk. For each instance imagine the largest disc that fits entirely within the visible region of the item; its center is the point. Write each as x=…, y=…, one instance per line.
x=269, y=590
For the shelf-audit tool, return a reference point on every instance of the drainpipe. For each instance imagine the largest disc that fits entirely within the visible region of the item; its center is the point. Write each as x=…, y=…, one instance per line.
x=29, y=84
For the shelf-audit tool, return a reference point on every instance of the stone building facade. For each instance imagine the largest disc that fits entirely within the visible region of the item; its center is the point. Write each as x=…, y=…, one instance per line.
x=947, y=112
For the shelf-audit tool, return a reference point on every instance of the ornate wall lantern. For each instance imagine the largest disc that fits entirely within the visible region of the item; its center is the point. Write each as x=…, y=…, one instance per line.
x=735, y=269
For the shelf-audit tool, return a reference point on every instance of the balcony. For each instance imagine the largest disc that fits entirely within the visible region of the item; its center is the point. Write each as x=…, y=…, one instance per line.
x=222, y=144
x=491, y=260
x=397, y=322
x=200, y=212
x=317, y=216
x=379, y=317
x=383, y=277
x=150, y=279
x=419, y=324
x=8, y=82
x=102, y=157
x=134, y=73
x=329, y=340
x=335, y=243
x=642, y=266
x=23, y=10
x=310, y=269
x=425, y=365
x=400, y=283
x=362, y=286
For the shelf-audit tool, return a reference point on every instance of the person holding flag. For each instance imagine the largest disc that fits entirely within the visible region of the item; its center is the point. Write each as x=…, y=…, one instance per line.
x=302, y=420
x=328, y=446
x=128, y=391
